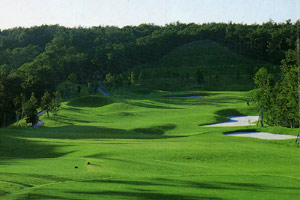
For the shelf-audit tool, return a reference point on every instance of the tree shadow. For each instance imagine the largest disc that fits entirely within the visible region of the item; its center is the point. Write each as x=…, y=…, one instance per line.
x=157, y=130
x=134, y=183
x=223, y=114
x=29, y=182
x=12, y=147
x=98, y=132
x=43, y=196
x=241, y=130
x=228, y=112
x=188, y=94
x=245, y=186
x=144, y=195
x=66, y=120
x=216, y=101
x=3, y=193
x=72, y=109
x=145, y=105
x=90, y=101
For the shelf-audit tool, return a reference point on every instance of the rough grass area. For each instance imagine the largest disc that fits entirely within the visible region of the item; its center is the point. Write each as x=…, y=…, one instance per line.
x=147, y=147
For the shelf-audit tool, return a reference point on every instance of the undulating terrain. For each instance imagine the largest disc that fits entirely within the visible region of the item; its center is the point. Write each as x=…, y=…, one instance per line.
x=147, y=147
x=142, y=141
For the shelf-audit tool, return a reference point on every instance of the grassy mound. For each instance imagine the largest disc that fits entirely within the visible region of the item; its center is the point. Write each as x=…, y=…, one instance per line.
x=90, y=101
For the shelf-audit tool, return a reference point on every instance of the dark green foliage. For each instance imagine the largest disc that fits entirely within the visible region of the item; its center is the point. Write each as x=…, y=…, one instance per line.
x=55, y=103
x=92, y=87
x=46, y=102
x=110, y=80
x=262, y=93
x=78, y=89
x=31, y=110
x=278, y=101
x=132, y=78
x=42, y=57
x=199, y=76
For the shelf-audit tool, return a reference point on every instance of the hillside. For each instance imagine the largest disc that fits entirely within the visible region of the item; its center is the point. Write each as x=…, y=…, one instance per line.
x=222, y=68
x=147, y=147
x=41, y=58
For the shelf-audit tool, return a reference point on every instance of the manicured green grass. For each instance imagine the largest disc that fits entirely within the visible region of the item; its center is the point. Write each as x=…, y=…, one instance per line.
x=147, y=146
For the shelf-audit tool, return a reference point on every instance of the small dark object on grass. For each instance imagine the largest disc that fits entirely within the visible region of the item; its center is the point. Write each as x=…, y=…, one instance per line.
x=188, y=158
x=76, y=167
x=89, y=163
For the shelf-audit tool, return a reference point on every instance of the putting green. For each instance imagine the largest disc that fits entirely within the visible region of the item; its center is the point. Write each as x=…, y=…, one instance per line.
x=147, y=147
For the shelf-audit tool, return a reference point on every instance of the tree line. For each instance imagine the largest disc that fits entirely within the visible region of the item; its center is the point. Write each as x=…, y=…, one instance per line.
x=277, y=98
x=38, y=59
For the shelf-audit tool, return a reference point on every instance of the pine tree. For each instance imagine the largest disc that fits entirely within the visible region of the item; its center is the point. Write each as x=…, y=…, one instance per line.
x=46, y=102
x=55, y=104
x=262, y=94
x=31, y=110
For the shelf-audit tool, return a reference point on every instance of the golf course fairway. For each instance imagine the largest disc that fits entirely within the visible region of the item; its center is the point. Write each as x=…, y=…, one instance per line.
x=148, y=147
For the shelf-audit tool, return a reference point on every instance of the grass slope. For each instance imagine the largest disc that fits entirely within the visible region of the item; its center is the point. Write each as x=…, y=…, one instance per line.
x=223, y=69
x=147, y=147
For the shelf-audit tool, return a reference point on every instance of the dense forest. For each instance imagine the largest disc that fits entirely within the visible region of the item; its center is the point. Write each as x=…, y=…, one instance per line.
x=34, y=61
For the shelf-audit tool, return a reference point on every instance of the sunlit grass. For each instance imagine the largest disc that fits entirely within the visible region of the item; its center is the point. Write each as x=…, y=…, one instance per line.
x=147, y=146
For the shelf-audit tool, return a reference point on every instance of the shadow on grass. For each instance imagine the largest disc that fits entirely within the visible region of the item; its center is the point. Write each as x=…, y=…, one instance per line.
x=34, y=176
x=42, y=196
x=3, y=193
x=14, y=148
x=241, y=130
x=245, y=186
x=188, y=94
x=68, y=120
x=215, y=99
x=94, y=132
x=157, y=130
x=141, y=190
x=177, y=184
x=145, y=105
x=72, y=109
x=134, y=183
x=223, y=114
x=143, y=195
x=154, y=189
x=90, y=101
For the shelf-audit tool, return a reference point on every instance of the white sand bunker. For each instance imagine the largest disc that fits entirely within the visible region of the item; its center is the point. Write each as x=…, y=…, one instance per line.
x=262, y=135
x=237, y=121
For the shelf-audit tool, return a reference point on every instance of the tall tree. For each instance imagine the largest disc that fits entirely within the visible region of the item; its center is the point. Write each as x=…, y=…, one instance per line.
x=263, y=81
x=56, y=103
x=31, y=110
x=46, y=102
